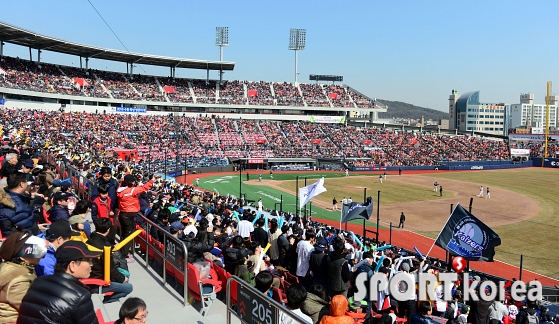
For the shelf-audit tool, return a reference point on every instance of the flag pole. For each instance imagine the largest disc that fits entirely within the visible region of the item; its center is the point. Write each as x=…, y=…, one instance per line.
x=426, y=255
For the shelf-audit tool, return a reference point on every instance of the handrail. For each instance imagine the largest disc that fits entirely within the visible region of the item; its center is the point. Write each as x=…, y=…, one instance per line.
x=164, y=255
x=281, y=308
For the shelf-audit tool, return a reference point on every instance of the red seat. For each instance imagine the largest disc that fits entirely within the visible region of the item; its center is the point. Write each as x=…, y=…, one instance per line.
x=357, y=317
x=141, y=240
x=221, y=275
x=279, y=296
x=100, y=284
x=198, y=289
x=291, y=278
x=100, y=317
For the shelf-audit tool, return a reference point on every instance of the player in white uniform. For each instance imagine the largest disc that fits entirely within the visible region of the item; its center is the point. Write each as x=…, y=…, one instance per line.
x=347, y=172
x=260, y=206
x=480, y=191
x=488, y=196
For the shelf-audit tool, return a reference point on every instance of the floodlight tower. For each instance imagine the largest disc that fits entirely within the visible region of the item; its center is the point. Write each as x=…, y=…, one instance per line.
x=221, y=39
x=297, y=41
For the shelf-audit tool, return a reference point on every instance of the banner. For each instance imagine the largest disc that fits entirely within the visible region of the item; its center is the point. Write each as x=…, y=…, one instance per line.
x=519, y=152
x=367, y=142
x=357, y=210
x=327, y=119
x=333, y=96
x=255, y=161
x=169, y=89
x=129, y=109
x=310, y=191
x=316, y=141
x=252, y=93
x=466, y=236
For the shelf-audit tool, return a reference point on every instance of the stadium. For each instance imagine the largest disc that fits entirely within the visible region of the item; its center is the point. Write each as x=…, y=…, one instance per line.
x=221, y=146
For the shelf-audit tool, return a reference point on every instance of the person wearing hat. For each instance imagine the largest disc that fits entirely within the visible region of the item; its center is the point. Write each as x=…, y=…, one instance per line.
x=60, y=210
x=77, y=224
x=15, y=214
x=57, y=234
x=176, y=229
x=245, y=269
x=62, y=298
x=129, y=206
x=119, y=282
x=27, y=166
x=21, y=252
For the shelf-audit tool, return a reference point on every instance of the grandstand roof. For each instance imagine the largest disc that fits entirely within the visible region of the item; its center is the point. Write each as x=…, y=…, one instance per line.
x=23, y=37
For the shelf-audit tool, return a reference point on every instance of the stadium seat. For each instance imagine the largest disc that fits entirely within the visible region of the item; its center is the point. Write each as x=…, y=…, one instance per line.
x=203, y=290
x=100, y=317
x=91, y=282
x=291, y=278
x=279, y=296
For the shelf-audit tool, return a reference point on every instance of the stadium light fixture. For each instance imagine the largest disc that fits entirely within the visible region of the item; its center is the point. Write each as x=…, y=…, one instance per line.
x=221, y=40
x=297, y=42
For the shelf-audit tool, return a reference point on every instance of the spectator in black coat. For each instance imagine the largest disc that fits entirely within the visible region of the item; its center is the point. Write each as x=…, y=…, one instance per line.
x=230, y=254
x=283, y=246
x=62, y=298
x=197, y=248
x=15, y=214
x=163, y=222
x=260, y=235
x=119, y=283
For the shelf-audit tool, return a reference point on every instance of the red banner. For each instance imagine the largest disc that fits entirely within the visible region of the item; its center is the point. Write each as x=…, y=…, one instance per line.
x=261, y=141
x=316, y=141
x=367, y=142
x=255, y=161
x=81, y=82
x=169, y=89
x=333, y=96
x=253, y=93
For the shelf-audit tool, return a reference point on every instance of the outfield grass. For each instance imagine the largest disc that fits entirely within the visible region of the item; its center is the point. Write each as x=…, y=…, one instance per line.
x=534, y=238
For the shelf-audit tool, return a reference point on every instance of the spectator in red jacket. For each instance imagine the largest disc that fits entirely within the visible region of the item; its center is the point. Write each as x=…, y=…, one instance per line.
x=101, y=208
x=129, y=206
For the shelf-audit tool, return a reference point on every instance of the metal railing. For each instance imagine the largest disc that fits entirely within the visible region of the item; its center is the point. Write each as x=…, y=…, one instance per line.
x=169, y=253
x=277, y=306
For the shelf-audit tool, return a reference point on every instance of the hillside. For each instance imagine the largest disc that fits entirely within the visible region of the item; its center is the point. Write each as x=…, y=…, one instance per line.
x=398, y=109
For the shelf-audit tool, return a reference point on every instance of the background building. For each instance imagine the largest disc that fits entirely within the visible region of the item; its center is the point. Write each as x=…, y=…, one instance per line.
x=468, y=114
x=532, y=116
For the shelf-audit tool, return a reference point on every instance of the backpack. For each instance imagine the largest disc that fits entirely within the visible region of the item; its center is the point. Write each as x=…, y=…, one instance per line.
x=532, y=318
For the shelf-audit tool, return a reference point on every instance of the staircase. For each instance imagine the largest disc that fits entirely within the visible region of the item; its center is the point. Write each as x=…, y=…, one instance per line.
x=161, y=89
x=216, y=132
x=191, y=92
x=131, y=86
x=103, y=86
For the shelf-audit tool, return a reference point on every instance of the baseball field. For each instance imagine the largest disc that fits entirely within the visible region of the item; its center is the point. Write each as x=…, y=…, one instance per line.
x=522, y=207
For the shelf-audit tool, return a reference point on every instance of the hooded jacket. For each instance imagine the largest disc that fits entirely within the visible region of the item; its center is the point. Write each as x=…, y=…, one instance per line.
x=58, y=213
x=315, y=307
x=338, y=307
x=128, y=200
x=15, y=214
x=15, y=280
x=196, y=248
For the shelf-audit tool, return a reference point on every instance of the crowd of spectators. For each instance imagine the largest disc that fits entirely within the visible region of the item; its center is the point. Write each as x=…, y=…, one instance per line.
x=232, y=93
x=287, y=94
x=262, y=93
x=27, y=75
x=339, y=96
x=314, y=95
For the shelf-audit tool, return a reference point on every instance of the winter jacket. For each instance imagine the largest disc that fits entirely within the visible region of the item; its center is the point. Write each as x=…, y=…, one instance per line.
x=522, y=317
x=283, y=245
x=338, y=306
x=58, y=213
x=112, y=186
x=101, y=209
x=479, y=312
x=97, y=268
x=319, y=265
x=230, y=258
x=315, y=307
x=245, y=274
x=260, y=236
x=15, y=280
x=15, y=215
x=128, y=201
x=47, y=263
x=196, y=248
x=60, y=298
x=339, y=274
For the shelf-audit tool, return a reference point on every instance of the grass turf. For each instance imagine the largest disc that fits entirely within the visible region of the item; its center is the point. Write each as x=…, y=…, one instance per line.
x=535, y=237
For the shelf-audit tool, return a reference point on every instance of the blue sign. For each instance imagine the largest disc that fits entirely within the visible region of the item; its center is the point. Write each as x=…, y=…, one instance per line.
x=2, y=101
x=131, y=110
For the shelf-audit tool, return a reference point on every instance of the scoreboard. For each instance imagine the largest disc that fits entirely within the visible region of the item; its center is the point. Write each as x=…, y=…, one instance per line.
x=319, y=77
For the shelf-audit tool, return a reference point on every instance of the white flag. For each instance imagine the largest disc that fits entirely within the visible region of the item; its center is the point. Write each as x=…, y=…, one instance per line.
x=308, y=192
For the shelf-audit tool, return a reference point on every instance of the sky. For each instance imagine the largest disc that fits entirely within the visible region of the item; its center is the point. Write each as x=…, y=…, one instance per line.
x=405, y=50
